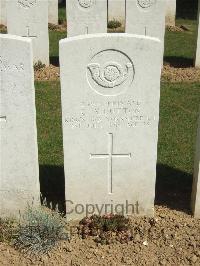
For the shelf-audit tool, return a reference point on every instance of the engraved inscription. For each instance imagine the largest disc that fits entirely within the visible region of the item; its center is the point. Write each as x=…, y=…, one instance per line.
x=28, y=33
x=113, y=115
x=86, y=3
x=110, y=155
x=6, y=66
x=27, y=3
x=2, y=118
x=146, y=3
x=110, y=72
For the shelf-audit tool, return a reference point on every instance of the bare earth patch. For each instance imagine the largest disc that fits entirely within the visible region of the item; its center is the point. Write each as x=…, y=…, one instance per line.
x=172, y=74
x=50, y=73
x=174, y=28
x=171, y=238
x=169, y=73
x=58, y=28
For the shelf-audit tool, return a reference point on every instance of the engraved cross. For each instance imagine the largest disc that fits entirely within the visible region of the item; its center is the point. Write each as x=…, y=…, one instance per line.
x=110, y=155
x=28, y=33
x=2, y=118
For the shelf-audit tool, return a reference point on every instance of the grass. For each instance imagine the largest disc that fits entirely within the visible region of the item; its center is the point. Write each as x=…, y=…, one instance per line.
x=180, y=46
x=178, y=121
x=49, y=123
x=54, y=38
x=62, y=14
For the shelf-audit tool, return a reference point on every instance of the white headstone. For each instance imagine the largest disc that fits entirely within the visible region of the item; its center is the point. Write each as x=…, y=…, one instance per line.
x=86, y=17
x=197, y=60
x=195, y=202
x=29, y=18
x=53, y=11
x=3, y=12
x=170, y=12
x=19, y=175
x=116, y=10
x=110, y=112
x=146, y=17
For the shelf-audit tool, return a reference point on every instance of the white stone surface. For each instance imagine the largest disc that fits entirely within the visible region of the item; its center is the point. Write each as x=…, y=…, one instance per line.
x=195, y=202
x=170, y=12
x=110, y=112
x=53, y=11
x=146, y=17
x=19, y=175
x=116, y=10
x=3, y=12
x=197, y=59
x=86, y=17
x=29, y=18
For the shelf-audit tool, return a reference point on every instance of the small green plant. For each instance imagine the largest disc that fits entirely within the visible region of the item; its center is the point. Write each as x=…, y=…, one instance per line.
x=39, y=230
x=39, y=65
x=114, y=24
x=107, y=228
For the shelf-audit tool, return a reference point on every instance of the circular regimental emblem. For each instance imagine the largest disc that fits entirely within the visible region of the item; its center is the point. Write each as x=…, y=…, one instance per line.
x=27, y=3
x=110, y=72
x=146, y=3
x=85, y=3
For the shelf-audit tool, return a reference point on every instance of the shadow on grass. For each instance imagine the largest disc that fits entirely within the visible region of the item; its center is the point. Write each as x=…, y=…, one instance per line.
x=179, y=62
x=173, y=188
x=52, y=186
x=54, y=60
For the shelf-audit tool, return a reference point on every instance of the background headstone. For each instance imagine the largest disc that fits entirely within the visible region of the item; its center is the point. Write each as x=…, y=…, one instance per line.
x=197, y=60
x=53, y=11
x=3, y=12
x=146, y=18
x=29, y=18
x=86, y=17
x=116, y=10
x=110, y=112
x=19, y=171
x=170, y=12
x=195, y=202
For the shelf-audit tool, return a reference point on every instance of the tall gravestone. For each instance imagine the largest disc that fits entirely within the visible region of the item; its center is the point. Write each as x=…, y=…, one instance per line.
x=170, y=12
x=116, y=10
x=53, y=11
x=146, y=17
x=19, y=174
x=3, y=12
x=195, y=202
x=29, y=18
x=86, y=17
x=197, y=60
x=110, y=113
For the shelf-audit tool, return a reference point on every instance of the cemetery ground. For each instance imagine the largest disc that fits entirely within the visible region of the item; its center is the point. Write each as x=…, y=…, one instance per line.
x=173, y=236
